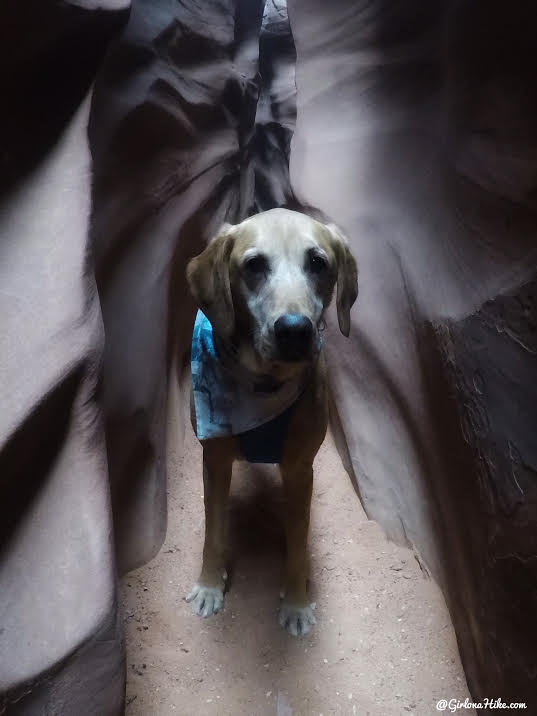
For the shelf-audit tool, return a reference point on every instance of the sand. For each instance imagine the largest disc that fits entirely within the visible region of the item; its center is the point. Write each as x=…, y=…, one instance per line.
x=383, y=644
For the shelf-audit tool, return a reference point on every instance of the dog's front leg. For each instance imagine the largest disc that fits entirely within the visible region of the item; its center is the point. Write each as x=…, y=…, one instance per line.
x=296, y=613
x=207, y=595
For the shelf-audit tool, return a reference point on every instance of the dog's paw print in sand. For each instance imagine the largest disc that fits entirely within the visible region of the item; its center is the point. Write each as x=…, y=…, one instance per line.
x=205, y=601
x=297, y=621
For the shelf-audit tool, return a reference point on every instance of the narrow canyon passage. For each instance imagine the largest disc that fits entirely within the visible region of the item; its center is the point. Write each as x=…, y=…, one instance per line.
x=132, y=131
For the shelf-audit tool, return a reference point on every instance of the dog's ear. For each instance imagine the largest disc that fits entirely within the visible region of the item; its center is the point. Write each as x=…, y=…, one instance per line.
x=208, y=279
x=347, y=278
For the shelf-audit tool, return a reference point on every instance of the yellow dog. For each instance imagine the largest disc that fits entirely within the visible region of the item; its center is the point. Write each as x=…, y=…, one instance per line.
x=264, y=286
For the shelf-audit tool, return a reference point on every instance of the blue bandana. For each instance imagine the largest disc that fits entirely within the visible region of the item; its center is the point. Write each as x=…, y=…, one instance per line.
x=229, y=402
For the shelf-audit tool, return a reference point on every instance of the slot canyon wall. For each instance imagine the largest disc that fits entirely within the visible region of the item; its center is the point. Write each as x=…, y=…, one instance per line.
x=130, y=134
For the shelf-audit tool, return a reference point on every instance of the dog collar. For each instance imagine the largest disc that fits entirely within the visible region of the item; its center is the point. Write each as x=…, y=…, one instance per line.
x=228, y=354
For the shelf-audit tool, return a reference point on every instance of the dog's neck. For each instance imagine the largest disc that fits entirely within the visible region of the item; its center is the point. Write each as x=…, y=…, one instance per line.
x=228, y=351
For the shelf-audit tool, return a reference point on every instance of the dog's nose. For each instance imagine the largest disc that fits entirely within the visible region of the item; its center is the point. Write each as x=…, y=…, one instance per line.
x=294, y=333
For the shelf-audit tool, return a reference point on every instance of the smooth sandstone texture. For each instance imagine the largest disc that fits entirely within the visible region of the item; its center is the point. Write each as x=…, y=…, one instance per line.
x=59, y=632
x=172, y=116
x=416, y=131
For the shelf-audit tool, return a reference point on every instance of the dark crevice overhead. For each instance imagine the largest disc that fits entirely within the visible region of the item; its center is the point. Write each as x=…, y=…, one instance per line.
x=276, y=109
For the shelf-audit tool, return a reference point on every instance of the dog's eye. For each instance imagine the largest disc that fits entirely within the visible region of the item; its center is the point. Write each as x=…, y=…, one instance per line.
x=317, y=263
x=256, y=265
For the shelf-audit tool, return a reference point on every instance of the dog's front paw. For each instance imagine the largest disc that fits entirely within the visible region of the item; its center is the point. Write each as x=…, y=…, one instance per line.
x=206, y=601
x=296, y=620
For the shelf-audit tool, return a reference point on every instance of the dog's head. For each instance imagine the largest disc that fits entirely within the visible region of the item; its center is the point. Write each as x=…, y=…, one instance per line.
x=268, y=280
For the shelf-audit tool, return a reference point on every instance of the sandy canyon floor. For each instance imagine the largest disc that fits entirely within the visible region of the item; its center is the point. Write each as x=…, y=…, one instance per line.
x=383, y=644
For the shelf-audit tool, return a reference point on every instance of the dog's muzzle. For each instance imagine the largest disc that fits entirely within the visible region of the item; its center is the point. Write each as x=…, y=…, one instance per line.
x=294, y=336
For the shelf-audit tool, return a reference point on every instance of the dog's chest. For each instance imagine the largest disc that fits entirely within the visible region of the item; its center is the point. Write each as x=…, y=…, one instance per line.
x=224, y=406
x=266, y=443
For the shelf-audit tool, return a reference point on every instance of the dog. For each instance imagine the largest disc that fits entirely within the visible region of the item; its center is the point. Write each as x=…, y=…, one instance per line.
x=262, y=287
